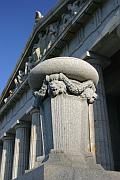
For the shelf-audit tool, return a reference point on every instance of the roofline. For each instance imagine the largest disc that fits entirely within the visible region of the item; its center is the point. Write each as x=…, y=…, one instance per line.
x=44, y=22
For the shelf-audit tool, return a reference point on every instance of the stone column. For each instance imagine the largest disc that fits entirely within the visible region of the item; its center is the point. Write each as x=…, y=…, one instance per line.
x=7, y=158
x=1, y=149
x=36, y=138
x=104, y=154
x=66, y=125
x=92, y=130
x=21, y=151
x=66, y=88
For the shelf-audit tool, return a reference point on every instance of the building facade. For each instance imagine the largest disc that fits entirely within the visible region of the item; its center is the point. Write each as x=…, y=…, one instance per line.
x=33, y=110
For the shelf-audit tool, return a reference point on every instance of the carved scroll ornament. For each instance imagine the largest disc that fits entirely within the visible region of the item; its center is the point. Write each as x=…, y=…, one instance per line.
x=57, y=84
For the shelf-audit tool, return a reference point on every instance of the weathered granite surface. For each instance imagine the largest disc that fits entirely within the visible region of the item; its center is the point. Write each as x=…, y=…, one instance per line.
x=74, y=68
x=60, y=82
x=63, y=167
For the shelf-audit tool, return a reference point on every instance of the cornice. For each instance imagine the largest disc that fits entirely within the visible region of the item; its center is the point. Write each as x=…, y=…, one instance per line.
x=16, y=95
x=63, y=37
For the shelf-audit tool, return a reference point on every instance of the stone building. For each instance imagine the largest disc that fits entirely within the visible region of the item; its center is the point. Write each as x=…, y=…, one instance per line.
x=59, y=115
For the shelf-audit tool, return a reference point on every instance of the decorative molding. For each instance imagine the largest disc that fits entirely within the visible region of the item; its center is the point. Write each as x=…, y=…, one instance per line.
x=57, y=84
x=16, y=95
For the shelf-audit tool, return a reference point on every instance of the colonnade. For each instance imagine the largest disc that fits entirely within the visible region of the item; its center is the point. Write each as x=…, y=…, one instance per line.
x=18, y=151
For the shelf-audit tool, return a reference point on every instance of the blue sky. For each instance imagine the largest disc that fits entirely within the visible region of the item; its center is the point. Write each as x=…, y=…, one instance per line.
x=16, y=23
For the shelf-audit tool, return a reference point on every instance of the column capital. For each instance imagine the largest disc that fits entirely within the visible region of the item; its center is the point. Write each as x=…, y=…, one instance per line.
x=63, y=75
x=34, y=110
x=57, y=84
x=22, y=124
x=97, y=59
x=8, y=136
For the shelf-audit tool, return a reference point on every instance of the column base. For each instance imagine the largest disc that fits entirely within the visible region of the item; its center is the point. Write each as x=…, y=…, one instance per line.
x=60, y=166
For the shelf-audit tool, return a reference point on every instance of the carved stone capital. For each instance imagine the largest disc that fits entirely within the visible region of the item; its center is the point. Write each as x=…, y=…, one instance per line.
x=57, y=84
x=63, y=75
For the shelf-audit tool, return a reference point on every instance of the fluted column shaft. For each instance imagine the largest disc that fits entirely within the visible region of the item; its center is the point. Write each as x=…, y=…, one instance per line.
x=104, y=154
x=21, y=152
x=36, y=138
x=1, y=149
x=7, y=158
x=66, y=125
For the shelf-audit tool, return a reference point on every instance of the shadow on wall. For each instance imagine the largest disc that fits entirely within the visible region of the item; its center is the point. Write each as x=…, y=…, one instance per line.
x=36, y=174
